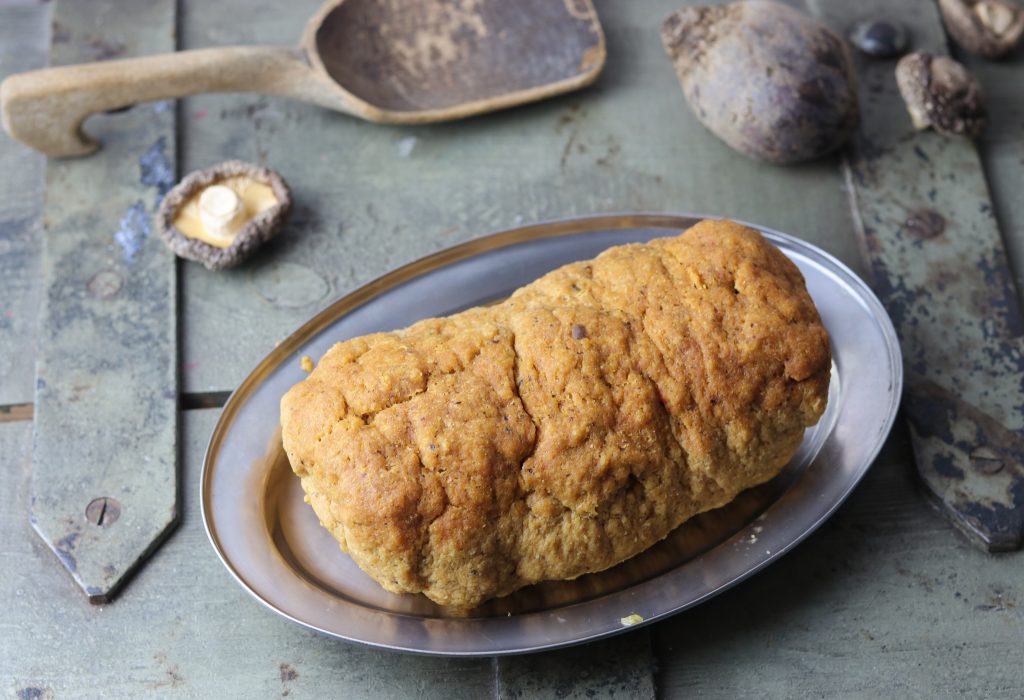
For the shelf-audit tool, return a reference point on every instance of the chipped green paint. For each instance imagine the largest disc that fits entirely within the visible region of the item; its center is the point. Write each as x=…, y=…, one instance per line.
x=24, y=46
x=621, y=667
x=938, y=263
x=106, y=378
x=883, y=600
x=370, y=198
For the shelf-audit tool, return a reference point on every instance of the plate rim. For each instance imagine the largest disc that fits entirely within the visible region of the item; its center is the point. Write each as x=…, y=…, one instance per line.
x=579, y=225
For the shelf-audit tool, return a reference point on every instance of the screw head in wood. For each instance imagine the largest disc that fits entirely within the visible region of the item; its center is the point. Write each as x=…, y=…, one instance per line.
x=986, y=460
x=103, y=511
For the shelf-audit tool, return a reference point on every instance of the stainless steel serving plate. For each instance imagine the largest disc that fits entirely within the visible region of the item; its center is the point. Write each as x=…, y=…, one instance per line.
x=271, y=542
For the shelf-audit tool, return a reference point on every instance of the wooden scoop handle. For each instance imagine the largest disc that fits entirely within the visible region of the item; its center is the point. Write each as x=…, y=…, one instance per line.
x=45, y=108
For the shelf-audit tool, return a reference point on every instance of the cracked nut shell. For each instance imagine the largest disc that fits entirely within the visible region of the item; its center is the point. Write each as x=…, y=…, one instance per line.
x=941, y=94
x=252, y=232
x=989, y=28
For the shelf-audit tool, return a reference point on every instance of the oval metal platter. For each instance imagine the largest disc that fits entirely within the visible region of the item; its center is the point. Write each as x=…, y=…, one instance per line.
x=272, y=543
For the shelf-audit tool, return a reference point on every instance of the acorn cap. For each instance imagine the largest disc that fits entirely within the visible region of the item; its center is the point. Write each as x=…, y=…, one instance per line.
x=989, y=28
x=222, y=214
x=941, y=94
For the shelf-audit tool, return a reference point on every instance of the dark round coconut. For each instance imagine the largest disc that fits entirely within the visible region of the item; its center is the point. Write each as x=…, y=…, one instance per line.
x=249, y=237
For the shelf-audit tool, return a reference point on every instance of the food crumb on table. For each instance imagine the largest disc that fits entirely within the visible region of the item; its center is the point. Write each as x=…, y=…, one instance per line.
x=306, y=363
x=631, y=620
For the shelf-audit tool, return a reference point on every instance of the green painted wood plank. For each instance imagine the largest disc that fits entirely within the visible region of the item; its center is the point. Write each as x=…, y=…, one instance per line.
x=1002, y=146
x=927, y=226
x=868, y=607
x=846, y=613
x=185, y=628
x=106, y=378
x=620, y=667
x=370, y=197
x=885, y=600
x=24, y=45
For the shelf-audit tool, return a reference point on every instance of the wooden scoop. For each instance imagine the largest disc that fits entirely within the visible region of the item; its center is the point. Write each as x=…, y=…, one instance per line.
x=390, y=61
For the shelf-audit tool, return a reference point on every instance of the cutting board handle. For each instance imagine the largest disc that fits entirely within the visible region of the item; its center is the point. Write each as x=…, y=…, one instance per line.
x=45, y=108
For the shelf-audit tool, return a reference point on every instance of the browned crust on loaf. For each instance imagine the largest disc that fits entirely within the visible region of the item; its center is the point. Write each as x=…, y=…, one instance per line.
x=568, y=428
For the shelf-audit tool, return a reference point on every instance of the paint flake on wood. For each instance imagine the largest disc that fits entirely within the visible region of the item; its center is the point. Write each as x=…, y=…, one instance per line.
x=619, y=667
x=938, y=263
x=881, y=601
x=24, y=45
x=370, y=198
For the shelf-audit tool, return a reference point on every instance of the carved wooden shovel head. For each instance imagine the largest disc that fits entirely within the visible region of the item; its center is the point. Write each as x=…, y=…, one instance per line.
x=387, y=61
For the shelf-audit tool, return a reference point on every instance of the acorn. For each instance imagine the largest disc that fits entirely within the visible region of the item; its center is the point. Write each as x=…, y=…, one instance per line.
x=220, y=216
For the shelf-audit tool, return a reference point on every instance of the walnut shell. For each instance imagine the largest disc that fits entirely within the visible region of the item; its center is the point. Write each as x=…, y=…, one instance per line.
x=989, y=28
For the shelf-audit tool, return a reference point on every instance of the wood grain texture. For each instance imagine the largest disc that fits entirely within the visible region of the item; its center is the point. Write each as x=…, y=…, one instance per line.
x=1002, y=145
x=885, y=600
x=24, y=45
x=870, y=598
x=45, y=109
x=184, y=628
x=397, y=64
x=938, y=264
x=369, y=198
x=620, y=667
x=106, y=377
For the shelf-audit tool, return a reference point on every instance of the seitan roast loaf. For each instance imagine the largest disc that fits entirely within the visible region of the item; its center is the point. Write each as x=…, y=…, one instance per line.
x=568, y=428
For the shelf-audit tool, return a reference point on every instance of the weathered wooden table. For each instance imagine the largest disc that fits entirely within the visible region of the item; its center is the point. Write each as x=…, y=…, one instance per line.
x=886, y=599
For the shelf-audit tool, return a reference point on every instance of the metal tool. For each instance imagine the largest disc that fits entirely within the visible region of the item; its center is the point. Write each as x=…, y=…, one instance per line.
x=934, y=249
x=105, y=447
